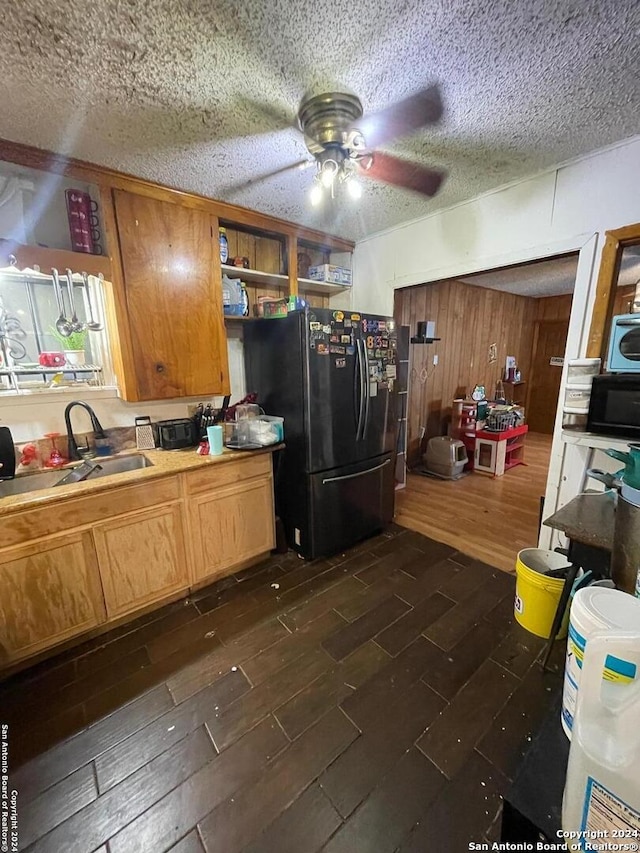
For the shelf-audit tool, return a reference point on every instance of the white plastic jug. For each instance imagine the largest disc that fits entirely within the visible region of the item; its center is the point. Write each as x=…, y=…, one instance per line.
x=601, y=803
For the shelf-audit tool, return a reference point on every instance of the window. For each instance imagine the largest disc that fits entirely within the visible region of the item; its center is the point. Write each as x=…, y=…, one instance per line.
x=33, y=353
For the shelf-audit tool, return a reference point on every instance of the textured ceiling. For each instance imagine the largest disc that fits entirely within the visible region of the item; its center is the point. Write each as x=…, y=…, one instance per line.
x=551, y=277
x=201, y=94
x=542, y=278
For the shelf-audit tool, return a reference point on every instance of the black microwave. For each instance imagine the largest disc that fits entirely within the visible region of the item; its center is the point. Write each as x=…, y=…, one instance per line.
x=614, y=407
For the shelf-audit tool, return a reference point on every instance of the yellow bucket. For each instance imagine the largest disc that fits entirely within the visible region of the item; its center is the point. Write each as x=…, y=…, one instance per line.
x=537, y=594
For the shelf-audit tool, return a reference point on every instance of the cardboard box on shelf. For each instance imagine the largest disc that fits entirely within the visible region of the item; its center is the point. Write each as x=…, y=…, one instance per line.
x=331, y=273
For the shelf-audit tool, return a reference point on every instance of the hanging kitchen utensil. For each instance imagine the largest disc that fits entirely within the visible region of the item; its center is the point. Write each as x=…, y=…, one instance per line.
x=92, y=324
x=76, y=325
x=62, y=324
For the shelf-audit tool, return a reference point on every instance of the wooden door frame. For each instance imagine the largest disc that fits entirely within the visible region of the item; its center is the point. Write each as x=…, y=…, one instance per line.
x=616, y=241
x=534, y=350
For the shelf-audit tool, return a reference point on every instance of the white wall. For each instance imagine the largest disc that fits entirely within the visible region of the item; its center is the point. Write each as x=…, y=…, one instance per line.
x=565, y=208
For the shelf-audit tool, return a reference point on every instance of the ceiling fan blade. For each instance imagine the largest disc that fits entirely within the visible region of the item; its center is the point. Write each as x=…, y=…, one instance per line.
x=401, y=119
x=243, y=185
x=402, y=173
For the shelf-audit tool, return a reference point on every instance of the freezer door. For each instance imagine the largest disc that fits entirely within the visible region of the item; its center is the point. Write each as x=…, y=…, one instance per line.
x=348, y=504
x=379, y=349
x=336, y=389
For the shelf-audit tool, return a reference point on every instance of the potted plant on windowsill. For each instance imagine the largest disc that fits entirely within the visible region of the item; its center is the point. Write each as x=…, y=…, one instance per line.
x=72, y=346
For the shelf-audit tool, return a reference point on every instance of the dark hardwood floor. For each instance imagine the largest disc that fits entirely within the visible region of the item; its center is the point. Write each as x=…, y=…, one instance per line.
x=378, y=701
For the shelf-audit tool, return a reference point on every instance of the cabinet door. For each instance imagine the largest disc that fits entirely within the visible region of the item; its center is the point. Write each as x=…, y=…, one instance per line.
x=141, y=557
x=231, y=525
x=49, y=591
x=173, y=297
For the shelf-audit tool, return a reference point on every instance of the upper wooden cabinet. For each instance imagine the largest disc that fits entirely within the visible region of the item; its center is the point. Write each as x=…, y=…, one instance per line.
x=170, y=338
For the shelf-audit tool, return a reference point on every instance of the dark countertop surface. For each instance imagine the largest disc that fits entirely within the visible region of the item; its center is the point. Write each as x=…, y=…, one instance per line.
x=588, y=519
x=538, y=787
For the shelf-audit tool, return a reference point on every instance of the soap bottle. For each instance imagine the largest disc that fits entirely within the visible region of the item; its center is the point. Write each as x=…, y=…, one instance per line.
x=224, y=246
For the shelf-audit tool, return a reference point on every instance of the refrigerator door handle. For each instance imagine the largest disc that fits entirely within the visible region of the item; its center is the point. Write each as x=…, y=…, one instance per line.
x=363, y=390
x=367, y=390
x=357, y=400
x=359, y=474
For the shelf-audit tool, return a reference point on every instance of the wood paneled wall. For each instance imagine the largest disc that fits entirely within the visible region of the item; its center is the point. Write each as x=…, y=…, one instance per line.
x=554, y=307
x=468, y=320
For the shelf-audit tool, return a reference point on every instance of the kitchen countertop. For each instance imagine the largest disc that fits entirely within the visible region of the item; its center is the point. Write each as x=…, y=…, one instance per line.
x=165, y=463
x=588, y=519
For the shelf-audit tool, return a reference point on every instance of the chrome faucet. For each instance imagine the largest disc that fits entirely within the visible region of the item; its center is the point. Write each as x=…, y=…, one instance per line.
x=76, y=452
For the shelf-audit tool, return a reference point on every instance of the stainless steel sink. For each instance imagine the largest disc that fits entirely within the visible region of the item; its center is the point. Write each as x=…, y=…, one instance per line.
x=47, y=479
x=121, y=463
x=30, y=483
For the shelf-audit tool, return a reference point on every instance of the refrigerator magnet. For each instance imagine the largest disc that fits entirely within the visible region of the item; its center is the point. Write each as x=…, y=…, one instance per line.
x=391, y=371
x=351, y=350
x=345, y=339
x=373, y=389
x=338, y=315
x=341, y=362
x=315, y=327
x=326, y=330
x=322, y=349
x=355, y=318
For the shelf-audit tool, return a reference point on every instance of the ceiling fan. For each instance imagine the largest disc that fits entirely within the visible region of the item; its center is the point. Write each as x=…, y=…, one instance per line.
x=344, y=143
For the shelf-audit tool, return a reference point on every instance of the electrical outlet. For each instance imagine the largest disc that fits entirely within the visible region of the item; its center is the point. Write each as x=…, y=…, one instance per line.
x=435, y=360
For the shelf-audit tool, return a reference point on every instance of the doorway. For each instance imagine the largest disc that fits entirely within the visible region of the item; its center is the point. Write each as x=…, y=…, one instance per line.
x=521, y=312
x=547, y=356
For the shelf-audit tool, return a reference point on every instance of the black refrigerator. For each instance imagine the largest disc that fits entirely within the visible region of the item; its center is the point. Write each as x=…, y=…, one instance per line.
x=332, y=376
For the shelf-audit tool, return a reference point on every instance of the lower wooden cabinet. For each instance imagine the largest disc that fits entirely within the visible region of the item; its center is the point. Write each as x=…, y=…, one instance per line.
x=128, y=550
x=231, y=525
x=142, y=558
x=49, y=591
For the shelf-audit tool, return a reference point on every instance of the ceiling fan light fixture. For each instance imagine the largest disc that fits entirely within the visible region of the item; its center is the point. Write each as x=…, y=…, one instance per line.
x=316, y=194
x=354, y=188
x=328, y=172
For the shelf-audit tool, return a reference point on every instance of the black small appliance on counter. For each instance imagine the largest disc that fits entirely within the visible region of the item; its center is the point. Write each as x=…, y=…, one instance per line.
x=176, y=433
x=7, y=455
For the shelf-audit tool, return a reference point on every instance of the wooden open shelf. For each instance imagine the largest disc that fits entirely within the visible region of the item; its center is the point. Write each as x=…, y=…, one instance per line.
x=306, y=285
x=45, y=259
x=270, y=279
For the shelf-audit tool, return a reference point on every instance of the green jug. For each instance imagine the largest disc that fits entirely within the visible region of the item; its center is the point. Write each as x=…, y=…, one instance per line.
x=631, y=461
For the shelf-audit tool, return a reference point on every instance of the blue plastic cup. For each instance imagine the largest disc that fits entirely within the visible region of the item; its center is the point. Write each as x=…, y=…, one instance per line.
x=214, y=437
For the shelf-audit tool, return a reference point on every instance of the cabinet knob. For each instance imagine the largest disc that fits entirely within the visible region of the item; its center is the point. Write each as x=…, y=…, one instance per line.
x=160, y=367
